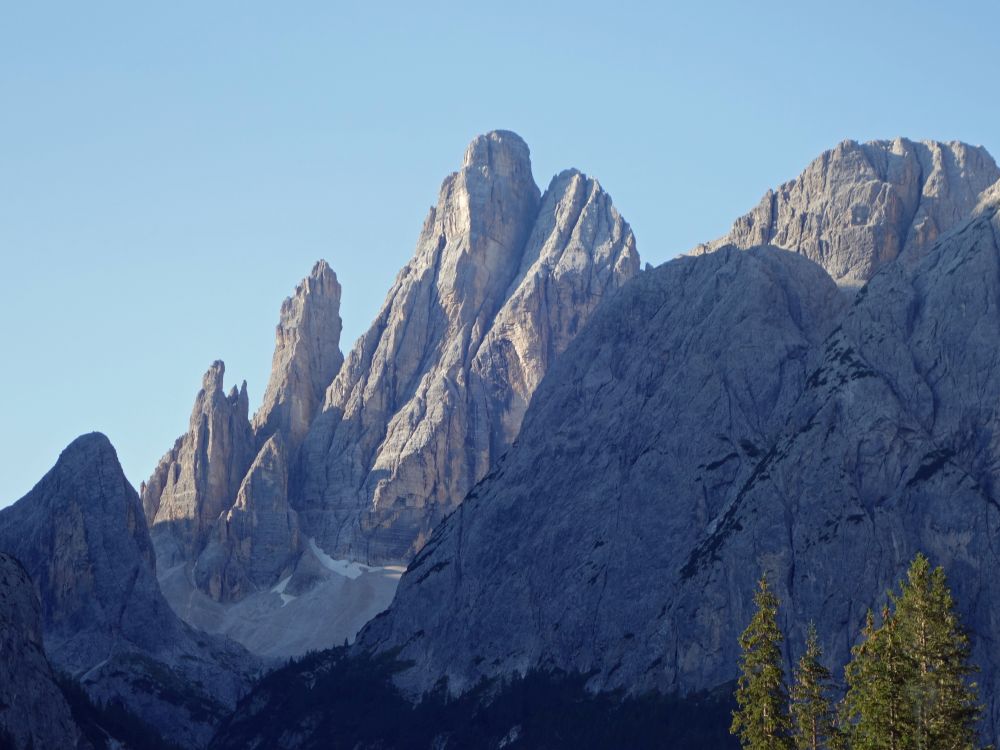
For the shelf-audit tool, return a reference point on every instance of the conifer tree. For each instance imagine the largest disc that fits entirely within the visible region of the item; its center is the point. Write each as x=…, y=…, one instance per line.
x=761, y=719
x=813, y=721
x=877, y=676
x=941, y=698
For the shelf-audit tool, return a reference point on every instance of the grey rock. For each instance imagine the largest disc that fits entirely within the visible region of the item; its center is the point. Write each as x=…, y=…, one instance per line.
x=564, y=554
x=257, y=539
x=307, y=357
x=859, y=206
x=81, y=535
x=212, y=504
x=33, y=711
x=197, y=480
x=436, y=389
x=708, y=426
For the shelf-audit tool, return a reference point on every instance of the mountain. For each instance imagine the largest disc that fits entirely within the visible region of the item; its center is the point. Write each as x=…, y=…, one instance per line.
x=860, y=205
x=218, y=503
x=434, y=392
x=233, y=557
x=82, y=537
x=722, y=416
x=33, y=711
x=307, y=357
x=358, y=459
x=565, y=555
x=199, y=477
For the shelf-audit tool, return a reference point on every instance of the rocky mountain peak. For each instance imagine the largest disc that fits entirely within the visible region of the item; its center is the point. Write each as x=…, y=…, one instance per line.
x=735, y=413
x=430, y=396
x=81, y=535
x=199, y=477
x=214, y=377
x=306, y=358
x=859, y=206
x=501, y=153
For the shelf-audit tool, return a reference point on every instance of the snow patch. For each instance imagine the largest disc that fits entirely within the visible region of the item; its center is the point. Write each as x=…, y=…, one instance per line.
x=279, y=589
x=345, y=568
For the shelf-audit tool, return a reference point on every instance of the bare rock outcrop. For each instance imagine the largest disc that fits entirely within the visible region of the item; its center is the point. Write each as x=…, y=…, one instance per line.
x=307, y=357
x=668, y=398
x=429, y=397
x=705, y=427
x=33, y=711
x=257, y=539
x=197, y=480
x=81, y=535
x=860, y=205
x=218, y=501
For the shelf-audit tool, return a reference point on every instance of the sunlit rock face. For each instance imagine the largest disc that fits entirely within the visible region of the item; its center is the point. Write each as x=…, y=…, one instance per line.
x=81, y=535
x=307, y=357
x=567, y=553
x=501, y=281
x=727, y=415
x=860, y=205
x=218, y=501
x=199, y=477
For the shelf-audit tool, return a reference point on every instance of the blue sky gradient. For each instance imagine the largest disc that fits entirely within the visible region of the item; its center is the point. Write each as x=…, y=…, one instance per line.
x=170, y=171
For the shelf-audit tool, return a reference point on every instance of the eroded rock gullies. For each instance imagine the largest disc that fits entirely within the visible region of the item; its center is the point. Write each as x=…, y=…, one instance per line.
x=81, y=534
x=501, y=280
x=218, y=501
x=197, y=480
x=257, y=540
x=668, y=398
x=33, y=711
x=705, y=427
x=306, y=359
x=860, y=205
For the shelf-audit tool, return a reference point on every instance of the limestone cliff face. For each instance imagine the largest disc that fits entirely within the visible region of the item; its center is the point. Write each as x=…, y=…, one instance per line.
x=668, y=397
x=33, y=711
x=218, y=501
x=307, y=357
x=81, y=535
x=257, y=540
x=436, y=388
x=199, y=477
x=706, y=426
x=859, y=206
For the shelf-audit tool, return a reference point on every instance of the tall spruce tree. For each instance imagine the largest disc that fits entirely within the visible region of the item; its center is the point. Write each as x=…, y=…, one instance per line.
x=813, y=721
x=876, y=703
x=761, y=719
x=941, y=698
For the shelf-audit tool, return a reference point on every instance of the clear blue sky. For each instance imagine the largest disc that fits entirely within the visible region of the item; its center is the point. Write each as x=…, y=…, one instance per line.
x=169, y=171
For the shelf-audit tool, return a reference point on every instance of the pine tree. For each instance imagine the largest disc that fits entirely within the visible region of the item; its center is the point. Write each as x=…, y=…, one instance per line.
x=761, y=719
x=876, y=703
x=941, y=698
x=812, y=711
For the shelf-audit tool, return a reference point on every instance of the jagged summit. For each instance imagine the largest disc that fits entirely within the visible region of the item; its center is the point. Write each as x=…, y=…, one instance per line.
x=860, y=205
x=734, y=413
x=198, y=478
x=306, y=358
x=218, y=501
x=501, y=280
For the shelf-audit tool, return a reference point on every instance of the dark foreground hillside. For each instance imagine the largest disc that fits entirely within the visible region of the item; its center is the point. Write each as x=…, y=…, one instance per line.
x=330, y=700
